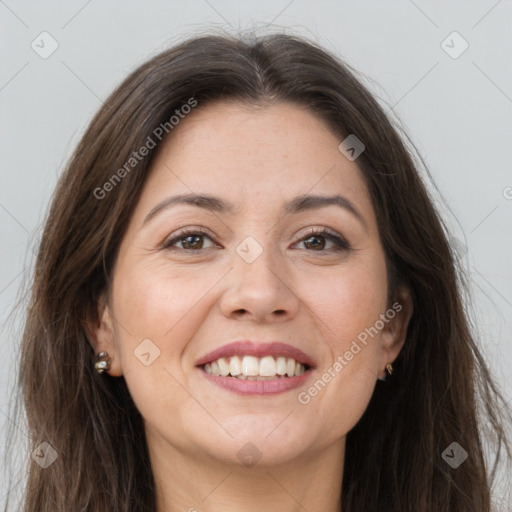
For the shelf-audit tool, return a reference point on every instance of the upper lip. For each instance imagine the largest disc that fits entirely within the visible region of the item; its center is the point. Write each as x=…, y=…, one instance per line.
x=257, y=349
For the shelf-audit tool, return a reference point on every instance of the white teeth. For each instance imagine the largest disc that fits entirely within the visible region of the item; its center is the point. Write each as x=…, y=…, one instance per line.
x=290, y=367
x=254, y=368
x=235, y=366
x=281, y=365
x=223, y=366
x=267, y=367
x=250, y=366
x=215, y=368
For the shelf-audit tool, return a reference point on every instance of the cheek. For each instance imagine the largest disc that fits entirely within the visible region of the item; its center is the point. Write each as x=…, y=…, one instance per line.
x=349, y=309
x=156, y=313
x=155, y=302
x=350, y=302
x=158, y=309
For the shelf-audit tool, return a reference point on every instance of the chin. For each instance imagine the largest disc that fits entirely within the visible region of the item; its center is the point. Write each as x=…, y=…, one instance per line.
x=262, y=443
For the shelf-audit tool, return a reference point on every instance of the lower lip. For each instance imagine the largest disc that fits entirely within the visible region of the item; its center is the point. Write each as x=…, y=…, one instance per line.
x=258, y=387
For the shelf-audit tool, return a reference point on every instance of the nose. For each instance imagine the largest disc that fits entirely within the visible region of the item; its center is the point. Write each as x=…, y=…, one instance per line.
x=259, y=290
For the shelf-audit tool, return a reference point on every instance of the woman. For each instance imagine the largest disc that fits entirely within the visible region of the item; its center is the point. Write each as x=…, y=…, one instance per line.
x=244, y=299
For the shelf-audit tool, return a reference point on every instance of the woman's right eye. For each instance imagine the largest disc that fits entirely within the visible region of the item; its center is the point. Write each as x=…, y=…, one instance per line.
x=190, y=240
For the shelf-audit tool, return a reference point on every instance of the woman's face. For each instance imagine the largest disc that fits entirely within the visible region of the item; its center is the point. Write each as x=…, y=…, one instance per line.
x=250, y=270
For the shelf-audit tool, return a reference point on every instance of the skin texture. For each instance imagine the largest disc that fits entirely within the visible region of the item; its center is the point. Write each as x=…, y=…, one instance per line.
x=298, y=291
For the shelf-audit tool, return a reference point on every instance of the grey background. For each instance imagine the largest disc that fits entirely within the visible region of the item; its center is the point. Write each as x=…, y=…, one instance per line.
x=456, y=110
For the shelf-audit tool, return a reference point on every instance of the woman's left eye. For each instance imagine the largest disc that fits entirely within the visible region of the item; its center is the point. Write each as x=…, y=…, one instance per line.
x=316, y=239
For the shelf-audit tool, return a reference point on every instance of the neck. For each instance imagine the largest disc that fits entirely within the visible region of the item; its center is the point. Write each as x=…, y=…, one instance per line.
x=192, y=483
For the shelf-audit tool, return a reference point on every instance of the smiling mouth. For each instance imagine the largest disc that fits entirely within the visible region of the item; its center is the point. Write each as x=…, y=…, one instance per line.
x=256, y=368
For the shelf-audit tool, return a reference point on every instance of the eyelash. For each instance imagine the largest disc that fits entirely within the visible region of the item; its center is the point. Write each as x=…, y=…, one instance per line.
x=340, y=243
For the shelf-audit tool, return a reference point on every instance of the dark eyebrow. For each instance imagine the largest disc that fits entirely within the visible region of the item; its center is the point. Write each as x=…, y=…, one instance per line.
x=311, y=202
x=296, y=205
x=211, y=203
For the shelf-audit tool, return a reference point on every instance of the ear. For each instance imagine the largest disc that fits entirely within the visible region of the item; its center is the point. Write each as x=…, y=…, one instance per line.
x=99, y=330
x=394, y=333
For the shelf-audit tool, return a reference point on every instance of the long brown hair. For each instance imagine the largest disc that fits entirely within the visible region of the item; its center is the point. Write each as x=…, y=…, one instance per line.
x=441, y=391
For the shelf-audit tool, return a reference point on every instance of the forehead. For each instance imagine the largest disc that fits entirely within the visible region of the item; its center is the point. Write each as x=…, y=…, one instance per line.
x=255, y=156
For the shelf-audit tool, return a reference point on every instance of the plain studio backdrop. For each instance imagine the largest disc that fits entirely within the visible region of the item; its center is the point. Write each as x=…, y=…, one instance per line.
x=442, y=68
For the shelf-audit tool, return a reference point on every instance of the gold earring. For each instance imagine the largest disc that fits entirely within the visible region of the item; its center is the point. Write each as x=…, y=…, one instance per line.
x=389, y=368
x=102, y=362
